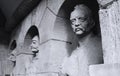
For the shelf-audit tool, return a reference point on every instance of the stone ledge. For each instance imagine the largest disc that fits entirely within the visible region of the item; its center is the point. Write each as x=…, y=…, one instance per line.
x=104, y=70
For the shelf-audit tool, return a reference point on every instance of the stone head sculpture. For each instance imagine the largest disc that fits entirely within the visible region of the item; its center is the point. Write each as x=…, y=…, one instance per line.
x=35, y=44
x=81, y=19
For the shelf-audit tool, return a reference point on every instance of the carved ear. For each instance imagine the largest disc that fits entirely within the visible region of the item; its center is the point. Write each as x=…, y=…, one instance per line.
x=92, y=22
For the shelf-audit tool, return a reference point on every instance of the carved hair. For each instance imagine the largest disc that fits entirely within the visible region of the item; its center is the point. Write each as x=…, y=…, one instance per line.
x=88, y=12
x=83, y=8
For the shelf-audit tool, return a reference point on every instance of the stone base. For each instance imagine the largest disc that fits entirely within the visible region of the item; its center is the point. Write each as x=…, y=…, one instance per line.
x=105, y=70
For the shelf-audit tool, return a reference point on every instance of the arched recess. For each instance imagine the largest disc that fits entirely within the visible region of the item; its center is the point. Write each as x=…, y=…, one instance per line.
x=23, y=54
x=33, y=30
x=62, y=28
x=13, y=45
x=13, y=52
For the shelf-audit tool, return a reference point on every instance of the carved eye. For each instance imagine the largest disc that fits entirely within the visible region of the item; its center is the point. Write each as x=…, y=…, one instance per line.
x=73, y=20
x=82, y=19
x=34, y=42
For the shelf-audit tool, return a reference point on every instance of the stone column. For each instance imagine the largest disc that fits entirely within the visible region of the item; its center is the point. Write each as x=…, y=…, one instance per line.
x=110, y=30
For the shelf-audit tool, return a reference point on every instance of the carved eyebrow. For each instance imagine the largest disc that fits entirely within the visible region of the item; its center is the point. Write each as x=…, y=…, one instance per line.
x=34, y=40
x=73, y=19
x=83, y=18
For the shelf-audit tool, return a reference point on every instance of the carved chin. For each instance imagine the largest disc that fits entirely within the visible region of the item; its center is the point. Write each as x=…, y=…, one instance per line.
x=79, y=32
x=34, y=50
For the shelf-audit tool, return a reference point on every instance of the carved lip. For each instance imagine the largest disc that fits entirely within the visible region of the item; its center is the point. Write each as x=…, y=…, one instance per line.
x=79, y=29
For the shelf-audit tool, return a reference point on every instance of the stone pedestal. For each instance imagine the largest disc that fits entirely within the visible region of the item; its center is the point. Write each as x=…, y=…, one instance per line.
x=105, y=70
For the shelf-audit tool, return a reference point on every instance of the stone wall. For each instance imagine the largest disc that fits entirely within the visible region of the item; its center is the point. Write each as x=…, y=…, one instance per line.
x=110, y=32
x=43, y=18
x=57, y=39
x=109, y=21
x=5, y=65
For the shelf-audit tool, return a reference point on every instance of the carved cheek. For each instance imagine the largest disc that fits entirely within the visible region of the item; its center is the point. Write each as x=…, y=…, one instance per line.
x=85, y=24
x=73, y=27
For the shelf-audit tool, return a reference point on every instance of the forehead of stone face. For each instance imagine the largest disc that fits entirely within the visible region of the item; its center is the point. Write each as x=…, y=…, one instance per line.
x=35, y=38
x=80, y=10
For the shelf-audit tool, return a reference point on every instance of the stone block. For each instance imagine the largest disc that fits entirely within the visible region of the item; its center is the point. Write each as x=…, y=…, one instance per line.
x=46, y=25
x=58, y=51
x=55, y=5
x=104, y=3
x=41, y=64
x=62, y=29
x=38, y=13
x=23, y=29
x=105, y=70
x=51, y=55
x=109, y=23
x=46, y=74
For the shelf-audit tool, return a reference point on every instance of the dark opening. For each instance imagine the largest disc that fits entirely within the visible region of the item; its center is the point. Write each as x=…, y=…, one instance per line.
x=33, y=31
x=13, y=45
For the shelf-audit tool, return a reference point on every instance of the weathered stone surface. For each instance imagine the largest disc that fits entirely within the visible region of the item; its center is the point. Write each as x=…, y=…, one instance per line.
x=41, y=64
x=109, y=21
x=46, y=26
x=62, y=29
x=58, y=51
x=50, y=56
x=46, y=74
x=6, y=67
x=54, y=5
x=22, y=61
x=105, y=3
x=87, y=54
x=22, y=30
x=105, y=70
x=56, y=34
x=38, y=13
x=34, y=18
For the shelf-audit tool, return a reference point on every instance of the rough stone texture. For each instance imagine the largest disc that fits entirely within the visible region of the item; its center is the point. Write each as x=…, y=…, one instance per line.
x=50, y=57
x=34, y=18
x=38, y=13
x=54, y=5
x=105, y=3
x=62, y=29
x=57, y=39
x=22, y=61
x=105, y=70
x=58, y=51
x=3, y=52
x=87, y=54
x=46, y=26
x=109, y=21
x=5, y=65
x=42, y=63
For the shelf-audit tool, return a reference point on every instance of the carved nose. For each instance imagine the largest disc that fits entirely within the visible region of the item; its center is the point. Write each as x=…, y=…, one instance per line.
x=77, y=25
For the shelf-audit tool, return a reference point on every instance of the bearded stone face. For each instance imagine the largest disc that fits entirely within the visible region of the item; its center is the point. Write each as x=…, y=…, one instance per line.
x=35, y=44
x=81, y=21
